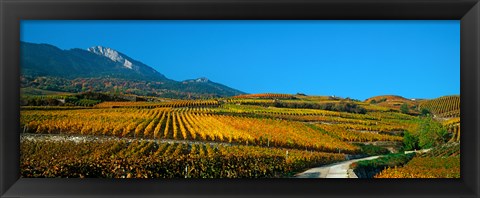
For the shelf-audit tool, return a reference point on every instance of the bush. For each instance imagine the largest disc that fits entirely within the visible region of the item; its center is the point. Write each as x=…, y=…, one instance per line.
x=410, y=142
x=404, y=108
x=369, y=168
x=431, y=133
x=425, y=112
x=372, y=150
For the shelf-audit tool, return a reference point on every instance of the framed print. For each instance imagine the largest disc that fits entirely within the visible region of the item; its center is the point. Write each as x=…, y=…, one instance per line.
x=239, y=98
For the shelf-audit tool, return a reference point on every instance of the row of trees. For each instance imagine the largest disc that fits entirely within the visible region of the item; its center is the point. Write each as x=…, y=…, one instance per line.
x=81, y=99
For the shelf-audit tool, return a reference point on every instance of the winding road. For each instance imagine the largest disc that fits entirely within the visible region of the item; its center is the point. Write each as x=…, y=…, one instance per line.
x=340, y=169
x=336, y=170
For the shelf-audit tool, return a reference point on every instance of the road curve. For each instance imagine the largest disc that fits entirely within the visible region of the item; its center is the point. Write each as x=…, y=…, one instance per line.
x=336, y=170
x=341, y=169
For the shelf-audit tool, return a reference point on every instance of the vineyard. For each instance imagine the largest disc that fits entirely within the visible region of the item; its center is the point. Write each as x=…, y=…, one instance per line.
x=265, y=95
x=392, y=102
x=445, y=107
x=256, y=135
x=440, y=162
x=149, y=159
x=151, y=105
x=453, y=126
x=185, y=124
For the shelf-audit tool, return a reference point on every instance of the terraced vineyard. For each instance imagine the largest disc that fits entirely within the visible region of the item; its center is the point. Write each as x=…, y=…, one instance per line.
x=453, y=126
x=258, y=135
x=445, y=107
x=149, y=159
x=441, y=162
x=181, y=124
x=151, y=105
x=265, y=95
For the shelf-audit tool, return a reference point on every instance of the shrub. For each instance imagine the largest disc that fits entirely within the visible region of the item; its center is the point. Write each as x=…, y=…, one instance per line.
x=372, y=150
x=410, y=142
x=425, y=112
x=404, y=108
x=431, y=133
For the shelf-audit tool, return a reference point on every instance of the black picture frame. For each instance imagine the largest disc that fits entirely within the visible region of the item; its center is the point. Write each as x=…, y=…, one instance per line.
x=12, y=11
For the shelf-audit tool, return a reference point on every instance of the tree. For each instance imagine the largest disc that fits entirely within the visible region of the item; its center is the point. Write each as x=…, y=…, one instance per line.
x=431, y=133
x=404, y=108
x=410, y=141
x=425, y=112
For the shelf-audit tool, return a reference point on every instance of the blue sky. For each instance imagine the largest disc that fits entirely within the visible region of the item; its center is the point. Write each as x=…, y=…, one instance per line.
x=357, y=59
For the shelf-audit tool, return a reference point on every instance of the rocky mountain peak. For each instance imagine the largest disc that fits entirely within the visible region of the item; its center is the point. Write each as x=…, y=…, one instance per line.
x=202, y=79
x=198, y=80
x=111, y=54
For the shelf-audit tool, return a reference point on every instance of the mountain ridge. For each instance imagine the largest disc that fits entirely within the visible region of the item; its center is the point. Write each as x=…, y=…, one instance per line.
x=39, y=61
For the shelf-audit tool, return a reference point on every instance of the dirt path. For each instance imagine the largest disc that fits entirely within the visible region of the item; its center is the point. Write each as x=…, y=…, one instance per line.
x=336, y=170
x=89, y=138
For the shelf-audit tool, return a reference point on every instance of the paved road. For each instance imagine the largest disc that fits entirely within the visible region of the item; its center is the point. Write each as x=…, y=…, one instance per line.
x=336, y=170
x=418, y=151
x=340, y=169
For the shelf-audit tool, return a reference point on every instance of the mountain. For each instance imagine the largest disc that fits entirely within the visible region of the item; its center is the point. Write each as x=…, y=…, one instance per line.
x=205, y=85
x=104, y=69
x=48, y=60
x=127, y=62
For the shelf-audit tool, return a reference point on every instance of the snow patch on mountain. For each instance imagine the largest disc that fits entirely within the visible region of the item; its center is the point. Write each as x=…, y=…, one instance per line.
x=198, y=80
x=112, y=55
x=128, y=64
x=202, y=79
